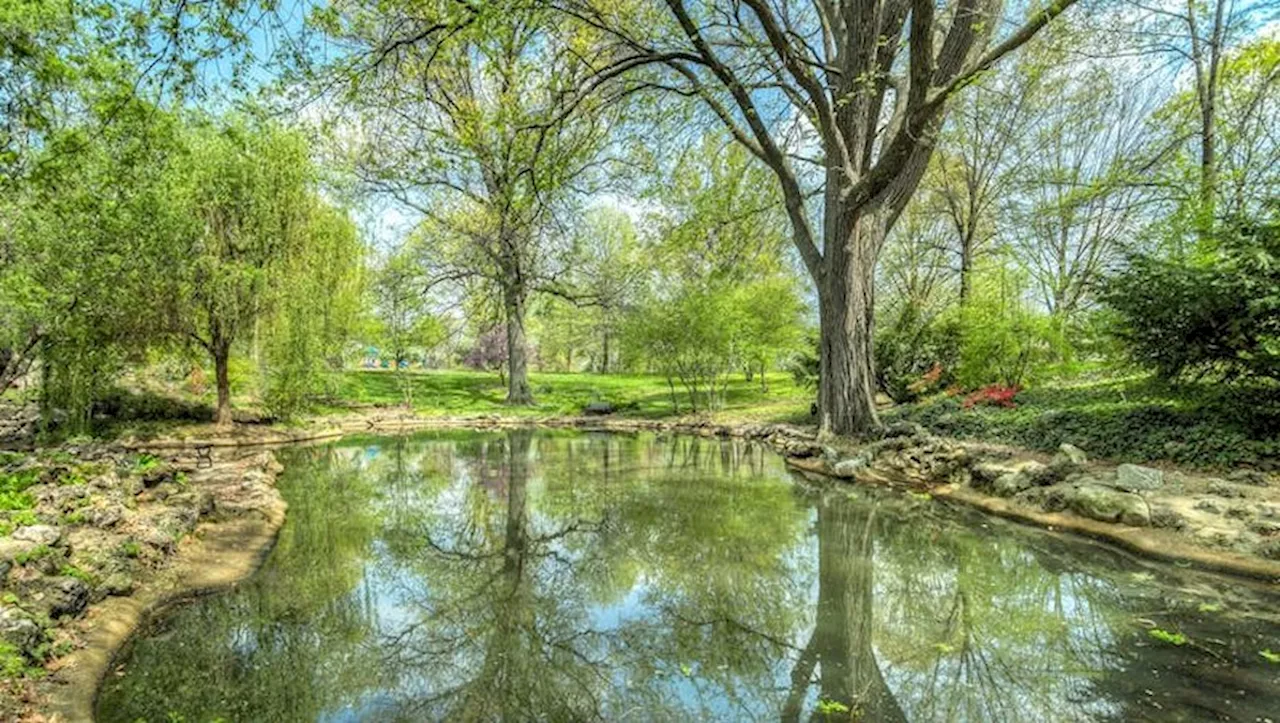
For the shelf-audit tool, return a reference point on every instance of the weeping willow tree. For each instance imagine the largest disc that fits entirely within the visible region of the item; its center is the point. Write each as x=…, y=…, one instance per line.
x=320, y=309
x=260, y=251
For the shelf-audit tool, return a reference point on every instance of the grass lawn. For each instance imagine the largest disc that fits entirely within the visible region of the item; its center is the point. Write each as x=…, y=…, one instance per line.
x=633, y=395
x=1134, y=419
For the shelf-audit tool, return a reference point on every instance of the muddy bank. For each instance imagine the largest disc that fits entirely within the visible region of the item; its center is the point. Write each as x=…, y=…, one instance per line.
x=98, y=537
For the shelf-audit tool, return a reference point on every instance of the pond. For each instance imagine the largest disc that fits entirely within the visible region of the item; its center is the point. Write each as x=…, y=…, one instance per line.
x=540, y=575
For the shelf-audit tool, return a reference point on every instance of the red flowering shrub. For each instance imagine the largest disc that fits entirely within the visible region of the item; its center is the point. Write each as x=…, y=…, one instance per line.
x=996, y=395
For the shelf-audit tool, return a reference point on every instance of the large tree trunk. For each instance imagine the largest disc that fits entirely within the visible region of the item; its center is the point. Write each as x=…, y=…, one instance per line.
x=846, y=308
x=221, y=364
x=604, y=353
x=518, y=391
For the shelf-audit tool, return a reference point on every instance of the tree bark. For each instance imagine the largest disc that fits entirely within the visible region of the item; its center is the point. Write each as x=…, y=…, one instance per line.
x=221, y=363
x=846, y=307
x=518, y=391
x=966, y=266
x=604, y=353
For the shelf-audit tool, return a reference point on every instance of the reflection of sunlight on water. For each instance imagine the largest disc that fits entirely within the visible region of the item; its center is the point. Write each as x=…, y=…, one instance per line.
x=558, y=576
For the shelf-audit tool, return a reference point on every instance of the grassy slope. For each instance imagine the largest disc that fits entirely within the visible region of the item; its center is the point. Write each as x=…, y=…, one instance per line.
x=634, y=395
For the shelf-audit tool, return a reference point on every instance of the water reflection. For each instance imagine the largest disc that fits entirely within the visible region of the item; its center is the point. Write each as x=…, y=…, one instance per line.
x=563, y=576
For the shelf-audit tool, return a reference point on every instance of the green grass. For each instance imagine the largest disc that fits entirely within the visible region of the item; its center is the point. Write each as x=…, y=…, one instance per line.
x=463, y=393
x=1135, y=419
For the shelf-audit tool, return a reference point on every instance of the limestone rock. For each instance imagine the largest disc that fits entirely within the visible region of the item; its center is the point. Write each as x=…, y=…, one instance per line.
x=1072, y=454
x=1249, y=477
x=850, y=467
x=1011, y=484
x=1221, y=488
x=11, y=548
x=19, y=630
x=1135, y=478
x=984, y=474
x=1108, y=505
x=904, y=429
x=46, y=535
x=67, y=596
x=108, y=516
x=118, y=583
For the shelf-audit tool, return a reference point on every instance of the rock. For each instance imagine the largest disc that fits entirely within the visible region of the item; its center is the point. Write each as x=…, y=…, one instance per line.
x=1011, y=484
x=1056, y=471
x=904, y=429
x=849, y=467
x=1071, y=453
x=19, y=630
x=1135, y=478
x=1167, y=518
x=1221, y=488
x=11, y=549
x=67, y=596
x=1051, y=499
x=1208, y=506
x=158, y=539
x=1270, y=548
x=108, y=516
x=1239, y=512
x=46, y=535
x=1249, y=477
x=1266, y=528
x=1108, y=505
x=598, y=408
x=117, y=583
x=984, y=474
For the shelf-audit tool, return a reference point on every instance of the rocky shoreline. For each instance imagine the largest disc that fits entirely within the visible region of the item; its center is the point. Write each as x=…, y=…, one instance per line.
x=1229, y=523
x=108, y=536
x=118, y=531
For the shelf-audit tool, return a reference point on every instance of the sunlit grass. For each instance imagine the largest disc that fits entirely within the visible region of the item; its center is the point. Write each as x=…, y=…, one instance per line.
x=448, y=393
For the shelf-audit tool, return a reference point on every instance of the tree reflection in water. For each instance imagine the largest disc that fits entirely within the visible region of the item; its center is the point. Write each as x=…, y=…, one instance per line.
x=565, y=576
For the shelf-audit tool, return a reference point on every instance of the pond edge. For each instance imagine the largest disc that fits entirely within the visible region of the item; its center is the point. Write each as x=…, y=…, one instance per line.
x=224, y=554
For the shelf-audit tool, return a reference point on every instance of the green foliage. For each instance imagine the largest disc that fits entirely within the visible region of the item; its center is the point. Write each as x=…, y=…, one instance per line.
x=467, y=393
x=1164, y=636
x=1269, y=655
x=1134, y=420
x=70, y=570
x=1003, y=340
x=1217, y=311
x=321, y=306
x=833, y=710
x=35, y=554
x=916, y=354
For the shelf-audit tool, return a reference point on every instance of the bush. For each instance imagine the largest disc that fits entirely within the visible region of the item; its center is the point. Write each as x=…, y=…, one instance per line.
x=1004, y=340
x=1216, y=312
x=915, y=354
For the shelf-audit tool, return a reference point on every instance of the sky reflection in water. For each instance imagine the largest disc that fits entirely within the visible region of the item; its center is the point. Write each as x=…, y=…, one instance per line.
x=562, y=576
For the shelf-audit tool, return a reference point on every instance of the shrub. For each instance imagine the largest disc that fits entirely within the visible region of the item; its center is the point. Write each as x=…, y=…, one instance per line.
x=1216, y=311
x=996, y=395
x=915, y=353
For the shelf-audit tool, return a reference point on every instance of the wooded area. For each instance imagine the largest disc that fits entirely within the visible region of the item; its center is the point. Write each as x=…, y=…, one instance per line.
x=879, y=197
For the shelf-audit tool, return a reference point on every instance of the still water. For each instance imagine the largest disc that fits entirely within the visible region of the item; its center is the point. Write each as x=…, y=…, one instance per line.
x=564, y=576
